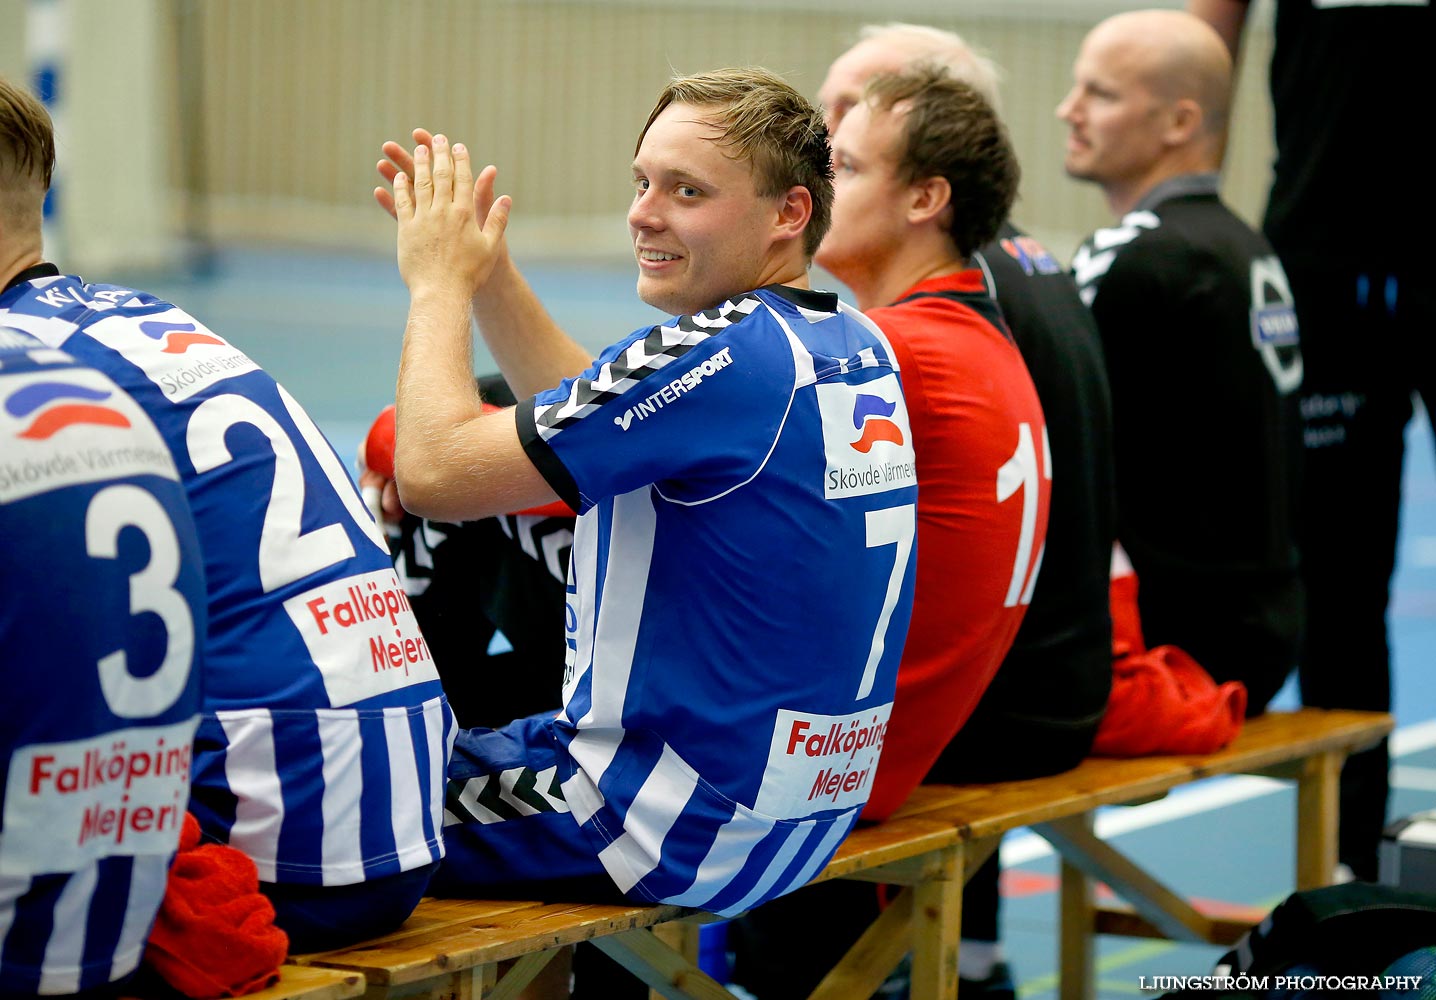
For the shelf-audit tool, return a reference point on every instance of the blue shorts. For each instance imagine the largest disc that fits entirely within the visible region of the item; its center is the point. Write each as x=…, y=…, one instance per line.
x=508, y=832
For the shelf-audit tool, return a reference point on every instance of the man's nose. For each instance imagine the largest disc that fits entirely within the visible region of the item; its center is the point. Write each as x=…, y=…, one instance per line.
x=643, y=213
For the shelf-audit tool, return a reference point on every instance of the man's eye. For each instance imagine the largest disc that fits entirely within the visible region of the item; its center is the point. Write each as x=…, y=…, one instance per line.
x=688, y=191
x=640, y=183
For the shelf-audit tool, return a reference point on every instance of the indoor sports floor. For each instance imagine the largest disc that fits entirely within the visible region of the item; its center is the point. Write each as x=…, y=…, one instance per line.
x=329, y=328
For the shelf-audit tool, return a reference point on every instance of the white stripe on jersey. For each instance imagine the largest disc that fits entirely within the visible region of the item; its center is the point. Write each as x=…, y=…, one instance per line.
x=630, y=552
x=406, y=802
x=655, y=809
x=726, y=858
x=249, y=770
x=795, y=842
x=820, y=855
x=580, y=791
x=148, y=876
x=804, y=373
x=1092, y=262
x=52, y=330
x=65, y=951
x=582, y=574
x=860, y=317
x=12, y=887
x=437, y=739
x=340, y=848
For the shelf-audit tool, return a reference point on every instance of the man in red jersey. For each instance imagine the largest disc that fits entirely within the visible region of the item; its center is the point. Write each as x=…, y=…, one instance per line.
x=925, y=174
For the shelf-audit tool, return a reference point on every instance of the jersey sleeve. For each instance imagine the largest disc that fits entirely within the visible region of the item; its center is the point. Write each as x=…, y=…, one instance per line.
x=692, y=406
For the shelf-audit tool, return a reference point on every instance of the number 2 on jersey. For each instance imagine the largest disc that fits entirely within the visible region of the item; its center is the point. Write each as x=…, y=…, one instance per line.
x=286, y=552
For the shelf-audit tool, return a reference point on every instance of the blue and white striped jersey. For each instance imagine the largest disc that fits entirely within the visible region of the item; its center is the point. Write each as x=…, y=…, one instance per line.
x=739, y=590
x=325, y=732
x=103, y=606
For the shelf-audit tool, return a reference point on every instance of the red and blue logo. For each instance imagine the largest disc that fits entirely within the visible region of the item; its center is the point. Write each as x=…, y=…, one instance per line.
x=178, y=337
x=57, y=405
x=871, y=415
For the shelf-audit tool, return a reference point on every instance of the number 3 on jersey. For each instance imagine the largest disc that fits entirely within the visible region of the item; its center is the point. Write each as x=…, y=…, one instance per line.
x=152, y=589
x=1020, y=472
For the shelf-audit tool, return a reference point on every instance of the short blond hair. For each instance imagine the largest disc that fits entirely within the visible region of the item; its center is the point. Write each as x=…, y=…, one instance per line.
x=769, y=124
x=27, y=155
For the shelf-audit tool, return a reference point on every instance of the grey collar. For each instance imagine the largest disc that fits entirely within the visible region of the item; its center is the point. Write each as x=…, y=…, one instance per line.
x=1181, y=186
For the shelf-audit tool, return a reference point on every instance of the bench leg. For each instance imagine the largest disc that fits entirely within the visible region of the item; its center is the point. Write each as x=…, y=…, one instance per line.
x=682, y=937
x=873, y=956
x=660, y=967
x=937, y=927
x=1076, y=956
x=1317, y=797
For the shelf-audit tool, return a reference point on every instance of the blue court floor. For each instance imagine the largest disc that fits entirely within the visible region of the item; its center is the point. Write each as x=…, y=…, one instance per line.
x=329, y=328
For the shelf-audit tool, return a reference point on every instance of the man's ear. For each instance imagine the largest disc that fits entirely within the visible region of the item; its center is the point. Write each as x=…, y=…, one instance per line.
x=1184, y=122
x=795, y=211
x=928, y=198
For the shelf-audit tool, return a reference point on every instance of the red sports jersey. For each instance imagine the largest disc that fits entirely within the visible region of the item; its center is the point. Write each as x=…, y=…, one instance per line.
x=984, y=475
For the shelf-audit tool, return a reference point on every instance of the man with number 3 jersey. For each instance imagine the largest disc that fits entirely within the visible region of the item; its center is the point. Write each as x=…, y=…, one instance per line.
x=103, y=611
x=325, y=732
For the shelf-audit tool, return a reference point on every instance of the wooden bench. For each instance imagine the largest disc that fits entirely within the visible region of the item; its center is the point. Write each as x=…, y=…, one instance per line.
x=309, y=982
x=452, y=948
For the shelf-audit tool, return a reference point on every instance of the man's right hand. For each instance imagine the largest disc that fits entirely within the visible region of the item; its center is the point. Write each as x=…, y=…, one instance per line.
x=451, y=227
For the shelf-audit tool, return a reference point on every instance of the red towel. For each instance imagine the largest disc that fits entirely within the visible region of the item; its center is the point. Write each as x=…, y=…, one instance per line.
x=215, y=934
x=378, y=452
x=1162, y=700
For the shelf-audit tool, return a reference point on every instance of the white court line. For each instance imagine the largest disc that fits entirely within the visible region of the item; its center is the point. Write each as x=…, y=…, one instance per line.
x=1200, y=798
x=1417, y=779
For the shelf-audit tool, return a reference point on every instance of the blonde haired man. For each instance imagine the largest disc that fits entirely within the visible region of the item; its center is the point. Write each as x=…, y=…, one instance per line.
x=699, y=758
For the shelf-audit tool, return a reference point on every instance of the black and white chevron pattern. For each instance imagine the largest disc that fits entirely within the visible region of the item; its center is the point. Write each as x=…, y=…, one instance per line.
x=663, y=345
x=493, y=798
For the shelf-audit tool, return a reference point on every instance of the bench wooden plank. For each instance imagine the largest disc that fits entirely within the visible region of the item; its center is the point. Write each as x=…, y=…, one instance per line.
x=296, y=982
x=445, y=936
x=1269, y=740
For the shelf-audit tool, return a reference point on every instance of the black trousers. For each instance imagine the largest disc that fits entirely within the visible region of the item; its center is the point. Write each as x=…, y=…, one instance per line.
x=1367, y=346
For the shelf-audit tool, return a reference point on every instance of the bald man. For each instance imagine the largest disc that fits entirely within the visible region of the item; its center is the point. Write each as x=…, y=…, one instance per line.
x=1201, y=344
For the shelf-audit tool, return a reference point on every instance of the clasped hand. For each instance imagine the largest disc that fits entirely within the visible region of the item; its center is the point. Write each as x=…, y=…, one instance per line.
x=451, y=227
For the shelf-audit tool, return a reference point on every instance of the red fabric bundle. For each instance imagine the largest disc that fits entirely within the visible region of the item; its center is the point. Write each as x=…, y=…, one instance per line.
x=1162, y=700
x=215, y=934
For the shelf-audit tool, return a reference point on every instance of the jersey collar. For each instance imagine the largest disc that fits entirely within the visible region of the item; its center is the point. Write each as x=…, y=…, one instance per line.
x=1181, y=186
x=806, y=298
x=42, y=270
